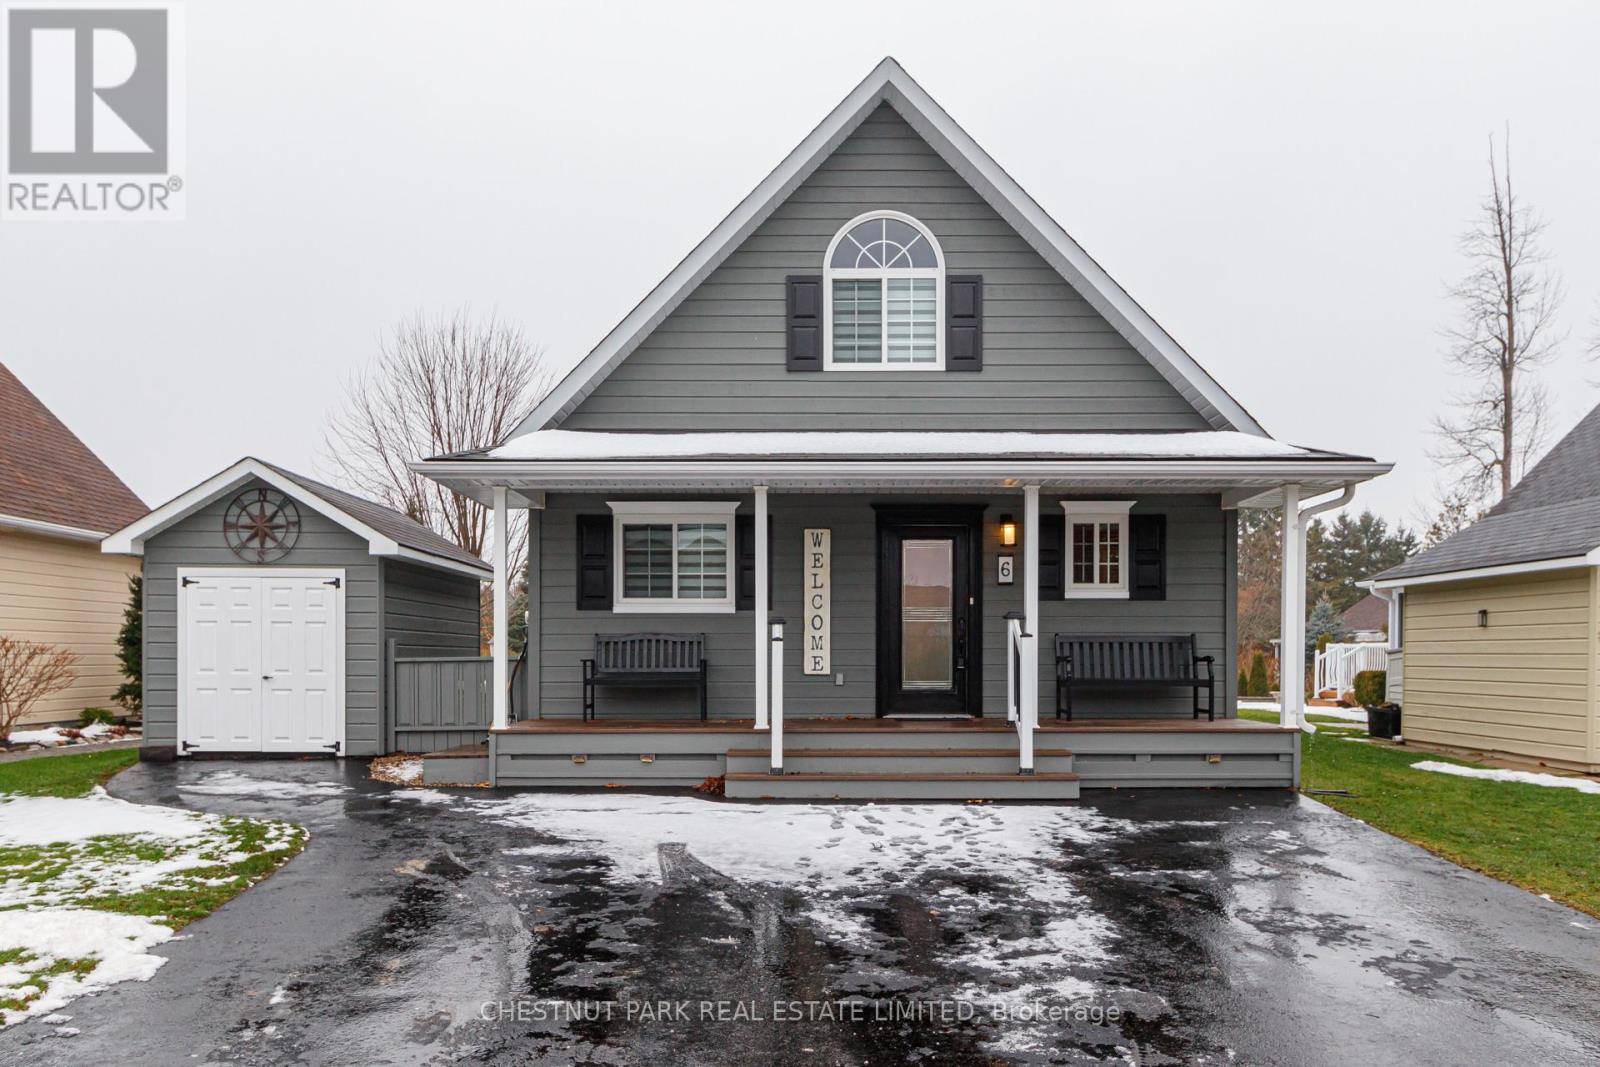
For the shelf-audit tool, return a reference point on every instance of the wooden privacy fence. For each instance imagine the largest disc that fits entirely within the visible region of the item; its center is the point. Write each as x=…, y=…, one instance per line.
x=438, y=702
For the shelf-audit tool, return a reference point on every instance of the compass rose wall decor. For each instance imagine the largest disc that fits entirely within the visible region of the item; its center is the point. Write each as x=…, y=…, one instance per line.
x=261, y=525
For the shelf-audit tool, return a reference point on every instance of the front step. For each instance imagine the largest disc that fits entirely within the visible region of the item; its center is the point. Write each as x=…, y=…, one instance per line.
x=867, y=786
x=907, y=761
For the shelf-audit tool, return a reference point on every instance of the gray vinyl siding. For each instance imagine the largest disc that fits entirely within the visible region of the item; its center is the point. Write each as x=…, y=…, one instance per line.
x=1050, y=361
x=196, y=541
x=1199, y=582
x=428, y=612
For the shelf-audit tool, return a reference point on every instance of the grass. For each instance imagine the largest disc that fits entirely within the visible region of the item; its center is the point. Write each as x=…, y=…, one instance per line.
x=1542, y=839
x=115, y=873
x=64, y=776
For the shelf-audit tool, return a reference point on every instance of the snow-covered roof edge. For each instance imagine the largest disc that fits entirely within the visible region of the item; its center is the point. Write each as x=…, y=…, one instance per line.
x=890, y=83
x=585, y=445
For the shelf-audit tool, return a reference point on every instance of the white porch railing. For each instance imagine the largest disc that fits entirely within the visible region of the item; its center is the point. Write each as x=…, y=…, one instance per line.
x=775, y=697
x=1022, y=688
x=1337, y=665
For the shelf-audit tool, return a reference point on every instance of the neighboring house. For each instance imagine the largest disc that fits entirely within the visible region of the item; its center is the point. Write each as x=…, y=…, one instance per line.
x=275, y=607
x=1493, y=631
x=838, y=484
x=1366, y=620
x=57, y=500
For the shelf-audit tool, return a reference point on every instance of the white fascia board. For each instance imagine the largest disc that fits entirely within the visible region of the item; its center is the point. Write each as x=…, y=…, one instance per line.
x=40, y=528
x=1504, y=570
x=890, y=83
x=130, y=539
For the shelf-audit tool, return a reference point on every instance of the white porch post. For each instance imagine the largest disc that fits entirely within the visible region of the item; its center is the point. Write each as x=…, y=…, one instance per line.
x=1029, y=712
x=1291, y=628
x=762, y=607
x=499, y=647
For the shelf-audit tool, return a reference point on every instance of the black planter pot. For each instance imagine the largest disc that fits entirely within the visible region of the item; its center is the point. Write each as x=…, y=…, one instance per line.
x=1383, y=721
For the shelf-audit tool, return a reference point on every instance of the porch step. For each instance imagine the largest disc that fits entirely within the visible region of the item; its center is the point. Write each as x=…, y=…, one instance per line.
x=913, y=761
x=865, y=786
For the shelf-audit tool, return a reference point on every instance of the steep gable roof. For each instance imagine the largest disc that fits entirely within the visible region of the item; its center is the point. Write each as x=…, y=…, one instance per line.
x=1570, y=471
x=49, y=476
x=1553, y=514
x=889, y=83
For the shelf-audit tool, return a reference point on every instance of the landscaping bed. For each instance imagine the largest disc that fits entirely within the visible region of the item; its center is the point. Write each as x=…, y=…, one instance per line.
x=89, y=883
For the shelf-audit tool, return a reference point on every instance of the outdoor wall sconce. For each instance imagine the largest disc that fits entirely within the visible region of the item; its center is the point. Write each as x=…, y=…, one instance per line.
x=1008, y=531
x=1483, y=616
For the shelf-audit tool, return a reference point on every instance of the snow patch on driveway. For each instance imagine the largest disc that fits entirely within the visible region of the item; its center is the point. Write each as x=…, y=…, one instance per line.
x=235, y=784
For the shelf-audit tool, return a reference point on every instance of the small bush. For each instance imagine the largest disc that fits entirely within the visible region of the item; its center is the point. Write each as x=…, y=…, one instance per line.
x=90, y=716
x=1260, y=684
x=1244, y=683
x=1371, y=686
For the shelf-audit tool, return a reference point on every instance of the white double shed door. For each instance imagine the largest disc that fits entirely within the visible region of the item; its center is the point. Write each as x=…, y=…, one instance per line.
x=261, y=660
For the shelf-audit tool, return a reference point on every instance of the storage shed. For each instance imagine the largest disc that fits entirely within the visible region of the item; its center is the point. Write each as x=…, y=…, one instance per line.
x=273, y=607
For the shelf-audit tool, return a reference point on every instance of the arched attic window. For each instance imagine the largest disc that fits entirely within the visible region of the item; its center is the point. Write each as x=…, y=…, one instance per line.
x=883, y=292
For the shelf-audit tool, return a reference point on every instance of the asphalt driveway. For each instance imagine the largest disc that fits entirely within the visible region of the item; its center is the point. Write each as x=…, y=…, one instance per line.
x=1223, y=927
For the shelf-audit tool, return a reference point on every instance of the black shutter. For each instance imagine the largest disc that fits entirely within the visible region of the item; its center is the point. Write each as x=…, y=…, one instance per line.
x=963, y=312
x=804, y=314
x=1052, y=547
x=1147, y=540
x=594, y=562
x=744, y=542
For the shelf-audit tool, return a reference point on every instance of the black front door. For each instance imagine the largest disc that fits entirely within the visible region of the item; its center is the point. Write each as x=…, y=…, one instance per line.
x=928, y=611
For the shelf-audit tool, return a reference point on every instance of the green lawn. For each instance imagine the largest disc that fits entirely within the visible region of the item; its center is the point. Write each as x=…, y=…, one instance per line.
x=64, y=776
x=222, y=858
x=1542, y=839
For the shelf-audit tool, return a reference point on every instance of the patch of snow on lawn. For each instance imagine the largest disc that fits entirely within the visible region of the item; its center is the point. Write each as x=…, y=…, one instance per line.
x=1496, y=774
x=56, y=736
x=53, y=820
x=234, y=784
x=119, y=945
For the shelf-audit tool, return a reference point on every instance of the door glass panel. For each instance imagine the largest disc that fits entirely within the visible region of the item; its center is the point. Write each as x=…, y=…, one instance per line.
x=927, y=600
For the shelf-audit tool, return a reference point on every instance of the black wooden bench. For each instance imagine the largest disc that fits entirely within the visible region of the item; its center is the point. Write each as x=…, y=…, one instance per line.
x=645, y=660
x=1102, y=661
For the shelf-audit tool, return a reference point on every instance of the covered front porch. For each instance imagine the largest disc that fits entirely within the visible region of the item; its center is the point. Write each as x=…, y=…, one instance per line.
x=894, y=600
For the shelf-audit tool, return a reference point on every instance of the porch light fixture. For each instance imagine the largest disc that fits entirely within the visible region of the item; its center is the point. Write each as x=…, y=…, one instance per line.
x=1008, y=531
x=1483, y=616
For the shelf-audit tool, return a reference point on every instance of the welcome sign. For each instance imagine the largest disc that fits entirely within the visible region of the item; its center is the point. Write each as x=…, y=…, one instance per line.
x=818, y=571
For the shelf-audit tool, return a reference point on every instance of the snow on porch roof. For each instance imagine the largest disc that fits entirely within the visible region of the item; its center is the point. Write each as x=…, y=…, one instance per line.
x=585, y=445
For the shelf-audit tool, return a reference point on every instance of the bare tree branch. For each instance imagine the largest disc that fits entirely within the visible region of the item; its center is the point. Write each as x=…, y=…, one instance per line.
x=437, y=386
x=29, y=672
x=1509, y=301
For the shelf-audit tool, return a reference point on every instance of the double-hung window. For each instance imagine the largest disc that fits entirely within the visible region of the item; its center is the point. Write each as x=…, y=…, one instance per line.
x=673, y=557
x=883, y=296
x=1097, y=548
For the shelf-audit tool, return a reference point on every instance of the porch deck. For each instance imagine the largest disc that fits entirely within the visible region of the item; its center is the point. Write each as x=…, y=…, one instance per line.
x=885, y=758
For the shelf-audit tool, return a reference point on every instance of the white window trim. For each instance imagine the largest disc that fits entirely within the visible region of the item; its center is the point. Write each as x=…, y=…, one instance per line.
x=829, y=273
x=1095, y=511
x=661, y=512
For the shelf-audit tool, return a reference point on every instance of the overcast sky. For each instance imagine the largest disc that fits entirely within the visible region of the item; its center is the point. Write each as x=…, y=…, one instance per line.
x=1280, y=185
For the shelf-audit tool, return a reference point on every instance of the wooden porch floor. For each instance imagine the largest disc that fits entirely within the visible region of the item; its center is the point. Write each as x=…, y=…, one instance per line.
x=870, y=726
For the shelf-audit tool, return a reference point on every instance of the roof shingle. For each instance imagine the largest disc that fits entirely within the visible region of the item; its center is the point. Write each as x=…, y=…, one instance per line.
x=48, y=475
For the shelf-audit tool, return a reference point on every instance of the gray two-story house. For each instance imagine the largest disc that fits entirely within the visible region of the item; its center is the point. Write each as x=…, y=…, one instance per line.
x=887, y=461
